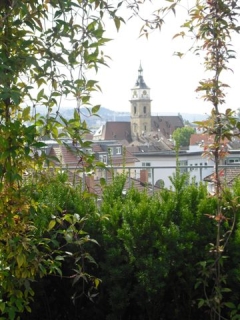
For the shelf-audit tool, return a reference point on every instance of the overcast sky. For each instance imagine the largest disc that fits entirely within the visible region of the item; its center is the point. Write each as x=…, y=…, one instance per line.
x=172, y=80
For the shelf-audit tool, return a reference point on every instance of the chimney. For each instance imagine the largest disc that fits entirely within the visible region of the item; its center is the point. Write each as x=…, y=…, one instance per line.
x=144, y=177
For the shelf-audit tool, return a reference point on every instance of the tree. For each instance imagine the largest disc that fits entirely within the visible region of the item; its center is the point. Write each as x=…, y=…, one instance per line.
x=182, y=136
x=40, y=39
x=211, y=25
x=46, y=49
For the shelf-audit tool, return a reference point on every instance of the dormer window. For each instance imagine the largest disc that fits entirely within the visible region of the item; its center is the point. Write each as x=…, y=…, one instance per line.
x=103, y=158
x=118, y=150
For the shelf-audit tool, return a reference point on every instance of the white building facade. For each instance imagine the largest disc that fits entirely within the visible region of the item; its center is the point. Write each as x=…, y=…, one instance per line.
x=162, y=165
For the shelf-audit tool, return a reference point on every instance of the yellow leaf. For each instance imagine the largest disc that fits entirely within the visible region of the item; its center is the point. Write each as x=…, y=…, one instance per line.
x=20, y=259
x=51, y=224
x=96, y=280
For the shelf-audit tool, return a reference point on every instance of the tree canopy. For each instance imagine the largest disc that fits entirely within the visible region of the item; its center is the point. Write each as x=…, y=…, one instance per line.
x=182, y=135
x=46, y=50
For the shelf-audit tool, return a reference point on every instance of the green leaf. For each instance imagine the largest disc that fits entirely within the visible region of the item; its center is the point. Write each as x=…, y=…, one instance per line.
x=117, y=22
x=230, y=305
x=20, y=259
x=40, y=94
x=2, y=306
x=51, y=224
x=102, y=182
x=226, y=290
x=59, y=258
x=28, y=309
x=96, y=108
x=201, y=303
x=76, y=115
x=39, y=144
x=12, y=313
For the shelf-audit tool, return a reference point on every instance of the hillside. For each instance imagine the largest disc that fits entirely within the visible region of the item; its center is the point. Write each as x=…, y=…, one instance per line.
x=105, y=114
x=110, y=115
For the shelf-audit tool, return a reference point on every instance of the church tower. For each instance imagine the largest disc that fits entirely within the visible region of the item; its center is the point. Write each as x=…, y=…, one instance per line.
x=140, y=107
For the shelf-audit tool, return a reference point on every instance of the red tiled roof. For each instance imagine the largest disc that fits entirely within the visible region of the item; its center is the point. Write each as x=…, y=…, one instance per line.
x=203, y=138
x=117, y=131
x=126, y=158
x=96, y=148
x=95, y=187
x=227, y=175
x=68, y=156
x=166, y=124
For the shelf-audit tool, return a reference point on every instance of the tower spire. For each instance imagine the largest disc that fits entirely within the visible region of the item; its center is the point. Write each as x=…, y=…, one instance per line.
x=140, y=83
x=140, y=70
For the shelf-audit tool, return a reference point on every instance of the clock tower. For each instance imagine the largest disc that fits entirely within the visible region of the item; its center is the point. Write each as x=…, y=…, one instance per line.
x=140, y=107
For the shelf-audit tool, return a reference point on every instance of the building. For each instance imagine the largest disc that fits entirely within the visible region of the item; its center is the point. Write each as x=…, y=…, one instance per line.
x=104, y=156
x=142, y=123
x=162, y=165
x=144, y=143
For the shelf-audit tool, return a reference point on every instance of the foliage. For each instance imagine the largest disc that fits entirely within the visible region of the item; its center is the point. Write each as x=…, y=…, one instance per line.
x=46, y=48
x=148, y=250
x=53, y=238
x=211, y=25
x=149, y=245
x=182, y=135
x=153, y=251
x=65, y=218
x=148, y=254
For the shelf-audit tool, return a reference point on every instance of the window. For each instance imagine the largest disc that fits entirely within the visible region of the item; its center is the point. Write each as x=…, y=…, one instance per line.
x=144, y=109
x=103, y=158
x=88, y=151
x=183, y=163
x=147, y=165
x=134, y=109
x=232, y=160
x=118, y=150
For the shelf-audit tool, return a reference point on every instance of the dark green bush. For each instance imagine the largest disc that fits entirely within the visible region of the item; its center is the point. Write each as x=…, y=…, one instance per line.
x=149, y=257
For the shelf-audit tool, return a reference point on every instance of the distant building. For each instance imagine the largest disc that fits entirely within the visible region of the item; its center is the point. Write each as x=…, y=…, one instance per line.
x=227, y=176
x=142, y=147
x=74, y=158
x=143, y=128
x=142, y=122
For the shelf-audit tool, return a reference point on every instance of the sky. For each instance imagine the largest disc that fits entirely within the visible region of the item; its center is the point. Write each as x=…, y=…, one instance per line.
x=172, y=80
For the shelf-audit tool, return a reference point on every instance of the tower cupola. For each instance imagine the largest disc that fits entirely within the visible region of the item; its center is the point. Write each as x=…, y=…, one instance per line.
x=140, y=89
x=140, y=83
